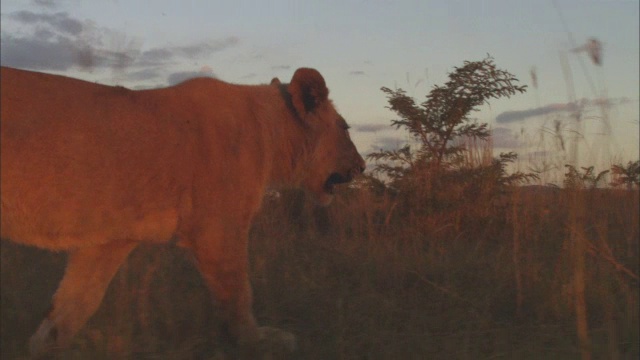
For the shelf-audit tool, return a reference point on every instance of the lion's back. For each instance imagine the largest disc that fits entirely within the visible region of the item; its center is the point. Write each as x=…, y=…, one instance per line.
x=82, y=160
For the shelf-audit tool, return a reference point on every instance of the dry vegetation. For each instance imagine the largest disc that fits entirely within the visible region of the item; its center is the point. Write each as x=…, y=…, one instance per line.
x=356, y=282
x=454, y=261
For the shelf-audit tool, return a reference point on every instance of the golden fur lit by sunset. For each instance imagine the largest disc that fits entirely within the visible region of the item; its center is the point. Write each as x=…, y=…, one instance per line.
x=95, y=170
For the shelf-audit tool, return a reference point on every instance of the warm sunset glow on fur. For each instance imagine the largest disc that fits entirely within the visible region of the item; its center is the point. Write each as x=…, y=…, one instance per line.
x=95, y=170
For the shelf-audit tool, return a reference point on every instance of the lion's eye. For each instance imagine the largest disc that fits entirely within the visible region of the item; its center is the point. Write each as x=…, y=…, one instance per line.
x=342, y=123
x=346, y=130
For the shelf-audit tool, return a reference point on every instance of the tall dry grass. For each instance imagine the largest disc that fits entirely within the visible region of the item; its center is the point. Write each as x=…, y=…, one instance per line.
x=537, y=272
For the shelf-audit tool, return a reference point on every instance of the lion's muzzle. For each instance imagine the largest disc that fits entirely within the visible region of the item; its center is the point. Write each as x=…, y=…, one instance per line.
x=342, y=178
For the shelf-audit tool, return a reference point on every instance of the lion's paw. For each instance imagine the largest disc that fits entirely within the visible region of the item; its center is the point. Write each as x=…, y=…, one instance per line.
x=270, y=343
x=277, y=337
x=44, y=340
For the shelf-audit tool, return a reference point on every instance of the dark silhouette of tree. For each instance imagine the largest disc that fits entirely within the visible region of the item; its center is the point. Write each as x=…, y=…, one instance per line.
x=442, y=128
x=585, y=179
x=626, y=175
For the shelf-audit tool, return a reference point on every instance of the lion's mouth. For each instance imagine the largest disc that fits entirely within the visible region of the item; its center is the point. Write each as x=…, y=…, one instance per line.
x=335, y=179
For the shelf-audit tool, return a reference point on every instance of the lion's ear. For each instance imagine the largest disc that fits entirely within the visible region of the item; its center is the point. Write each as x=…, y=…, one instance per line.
x=308, y=90
x=275, y=81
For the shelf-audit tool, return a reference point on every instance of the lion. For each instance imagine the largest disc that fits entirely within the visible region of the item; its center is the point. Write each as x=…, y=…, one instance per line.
x=95, y=170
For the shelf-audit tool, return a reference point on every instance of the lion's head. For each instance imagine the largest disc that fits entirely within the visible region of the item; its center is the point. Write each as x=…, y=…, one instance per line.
x=332, y=157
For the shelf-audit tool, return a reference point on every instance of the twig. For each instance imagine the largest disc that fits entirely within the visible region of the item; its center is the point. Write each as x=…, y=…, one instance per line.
x=593, y=250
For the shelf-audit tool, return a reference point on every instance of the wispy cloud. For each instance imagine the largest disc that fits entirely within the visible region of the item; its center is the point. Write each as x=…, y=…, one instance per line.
x=59, y=21
x=520, y=115
x=205, y=48
x=539, y=154
x=372, y=127
x=281, y=67
x=49, y=4
x=37, y=54
x=57, y=42
x=387, y=143
x=181, y=76
x=159, y=56
x=144, y=74
x=357, y=73
x=504, y=138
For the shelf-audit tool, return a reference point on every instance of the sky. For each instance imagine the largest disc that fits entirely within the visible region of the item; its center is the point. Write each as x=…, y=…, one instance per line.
x=359, y=47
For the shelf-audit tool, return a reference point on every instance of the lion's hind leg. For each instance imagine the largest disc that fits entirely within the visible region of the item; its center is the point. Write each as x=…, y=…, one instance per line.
x=88, y=273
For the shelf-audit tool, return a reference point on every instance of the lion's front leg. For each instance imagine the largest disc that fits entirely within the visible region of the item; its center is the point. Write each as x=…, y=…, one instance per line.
x=223, y=262
x=228, y=280
x=89, y=271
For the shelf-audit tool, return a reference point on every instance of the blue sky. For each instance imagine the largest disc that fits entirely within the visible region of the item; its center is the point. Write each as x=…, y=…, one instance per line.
x=359, y=46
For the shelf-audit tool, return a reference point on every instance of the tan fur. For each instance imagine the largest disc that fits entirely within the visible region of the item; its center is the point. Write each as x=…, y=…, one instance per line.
x=94, y=170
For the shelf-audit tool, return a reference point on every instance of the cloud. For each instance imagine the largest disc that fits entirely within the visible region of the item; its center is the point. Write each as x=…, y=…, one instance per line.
x=520, y=115
x=44, y=34
x=181, y=76
x=504, y=138
x=206, y=69
x=281, y=67
x=371, y=127
x=48, y=41
x=59, y=21
x=357, y=73
x=387, y=143
x=166, y=55
x=534, y=155
x=155, y=57
x=205, y=48
x=144, y=74
x=59, y=42
x=49, y=4
x=37, y=54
